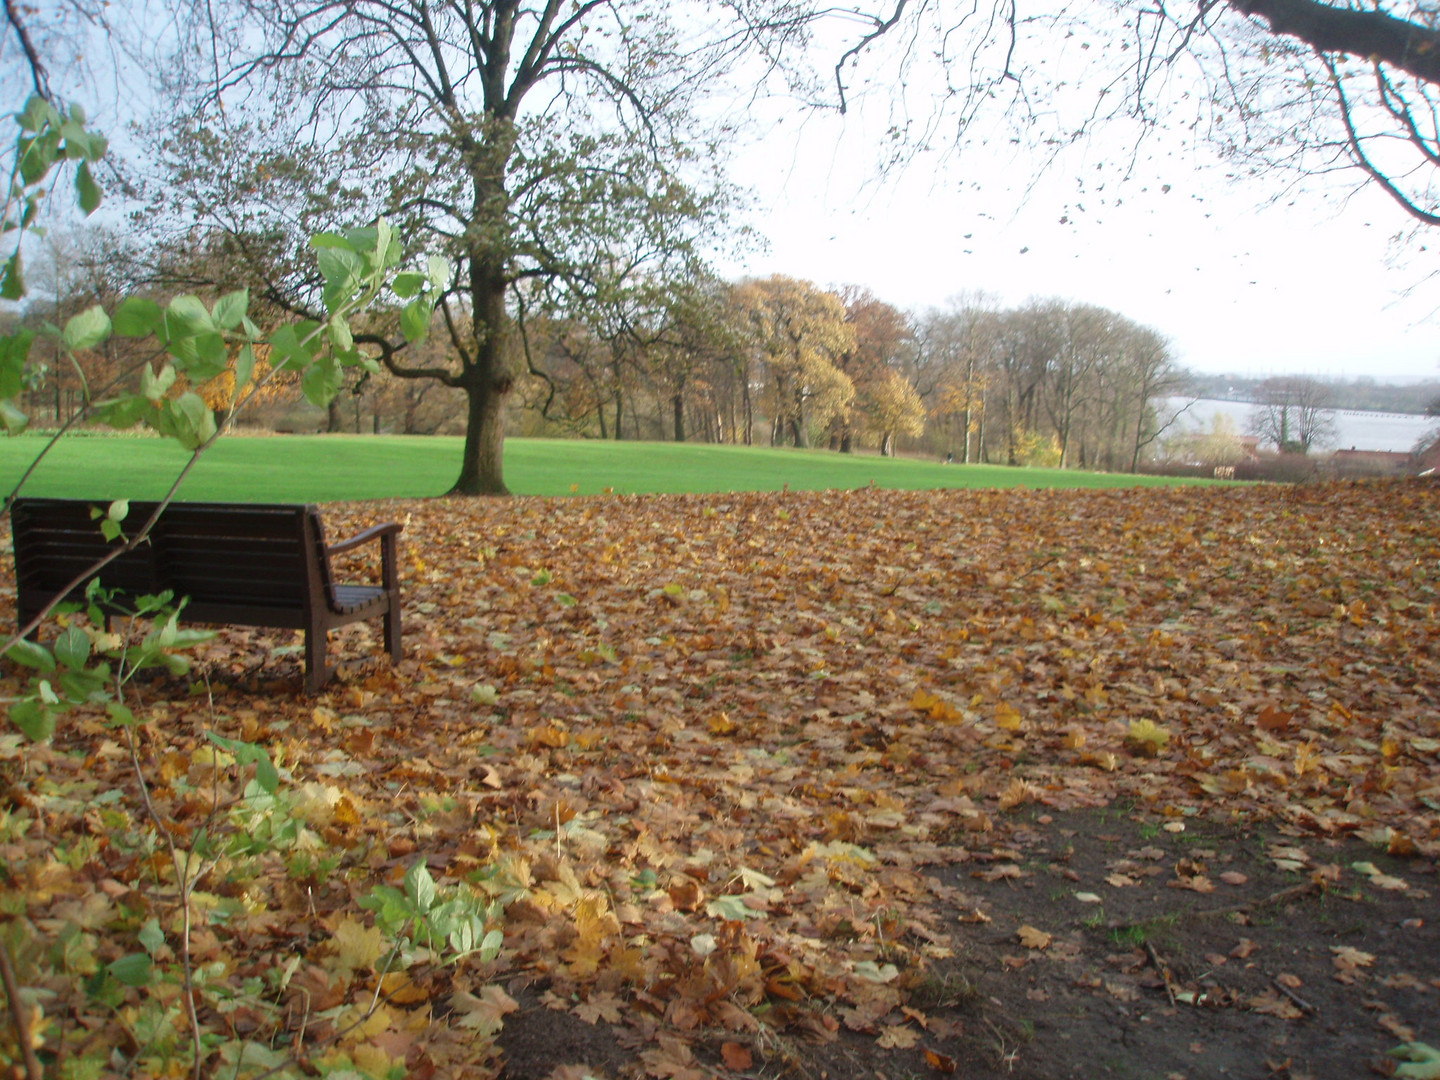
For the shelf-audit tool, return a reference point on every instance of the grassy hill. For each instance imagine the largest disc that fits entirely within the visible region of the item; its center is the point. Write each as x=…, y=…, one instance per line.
x=330, y=468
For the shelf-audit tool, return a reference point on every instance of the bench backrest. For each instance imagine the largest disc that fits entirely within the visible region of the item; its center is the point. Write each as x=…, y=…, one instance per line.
x=268, y=556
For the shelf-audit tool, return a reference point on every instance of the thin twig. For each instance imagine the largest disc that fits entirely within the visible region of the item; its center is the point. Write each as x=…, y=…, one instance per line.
x=1162, y=969
x=1284, y=895
x=185, y=881
x=18, y=1016
x=1296, y=998
x=1293, y=892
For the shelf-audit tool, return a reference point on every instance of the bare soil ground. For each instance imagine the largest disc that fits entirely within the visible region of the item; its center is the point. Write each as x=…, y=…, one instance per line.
x=1263, y=973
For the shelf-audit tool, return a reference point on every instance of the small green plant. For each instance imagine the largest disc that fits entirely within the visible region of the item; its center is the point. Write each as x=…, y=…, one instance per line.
x=1129, y=937
x=1422, y=1061
x=449, y=924
x=90, y=664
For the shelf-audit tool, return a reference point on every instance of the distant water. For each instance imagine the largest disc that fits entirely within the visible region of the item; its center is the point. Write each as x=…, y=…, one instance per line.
x=1358, y=430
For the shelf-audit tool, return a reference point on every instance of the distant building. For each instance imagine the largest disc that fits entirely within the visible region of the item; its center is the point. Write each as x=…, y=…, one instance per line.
x=1354, y=462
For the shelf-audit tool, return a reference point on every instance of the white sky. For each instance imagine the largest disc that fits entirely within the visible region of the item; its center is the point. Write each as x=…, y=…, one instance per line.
x=1309, y=285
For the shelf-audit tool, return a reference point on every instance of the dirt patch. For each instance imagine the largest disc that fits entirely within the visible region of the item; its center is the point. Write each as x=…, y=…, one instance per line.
x=1105, y=943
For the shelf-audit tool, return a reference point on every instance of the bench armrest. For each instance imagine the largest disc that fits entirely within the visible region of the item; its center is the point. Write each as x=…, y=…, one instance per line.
x=386, y=534
x=391, y=529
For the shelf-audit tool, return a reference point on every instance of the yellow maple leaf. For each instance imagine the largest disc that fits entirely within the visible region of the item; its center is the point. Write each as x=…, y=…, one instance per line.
x=1008, y=718
x=357, y=946
x=721, y=724
x=367, y=1028
x=1146, y=738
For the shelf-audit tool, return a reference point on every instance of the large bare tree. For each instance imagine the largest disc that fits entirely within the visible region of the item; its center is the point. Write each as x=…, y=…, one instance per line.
x=538, y=144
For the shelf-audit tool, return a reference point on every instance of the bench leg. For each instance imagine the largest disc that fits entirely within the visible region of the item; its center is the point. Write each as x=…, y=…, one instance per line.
x=316, y=671
x=392, y=634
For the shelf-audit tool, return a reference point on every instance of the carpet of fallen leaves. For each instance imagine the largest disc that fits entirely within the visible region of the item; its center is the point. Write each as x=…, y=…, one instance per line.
x=767, y=783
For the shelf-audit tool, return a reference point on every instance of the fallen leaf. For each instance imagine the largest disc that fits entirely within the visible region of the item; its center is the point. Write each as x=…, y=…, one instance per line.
x=1032, y=938
x=1347, y=956
x=1272, y=1004
x=939, y=1062
x=897, y=1037
x=1273, y=719
x=737, y=1058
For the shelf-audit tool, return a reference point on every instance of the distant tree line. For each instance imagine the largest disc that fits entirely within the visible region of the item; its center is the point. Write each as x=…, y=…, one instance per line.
x=689, y=356
x=1363, y=392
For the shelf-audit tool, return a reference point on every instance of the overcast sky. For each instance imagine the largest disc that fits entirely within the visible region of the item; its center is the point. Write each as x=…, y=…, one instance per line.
x=1308, y=285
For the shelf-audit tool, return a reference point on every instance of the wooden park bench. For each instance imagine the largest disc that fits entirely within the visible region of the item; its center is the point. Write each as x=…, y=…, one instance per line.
x=246, y=565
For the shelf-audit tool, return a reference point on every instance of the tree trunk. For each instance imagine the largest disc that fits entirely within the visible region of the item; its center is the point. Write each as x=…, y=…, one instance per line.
x=482, y=467
x=748, y=411
x=798, y=427
x=333, y=421
x=677, y=410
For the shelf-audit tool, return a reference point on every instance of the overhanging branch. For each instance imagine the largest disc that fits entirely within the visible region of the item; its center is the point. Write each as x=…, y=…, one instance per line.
x=1373, y=35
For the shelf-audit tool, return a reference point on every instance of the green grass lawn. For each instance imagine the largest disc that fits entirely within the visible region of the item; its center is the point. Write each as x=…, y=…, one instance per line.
x=331, y=468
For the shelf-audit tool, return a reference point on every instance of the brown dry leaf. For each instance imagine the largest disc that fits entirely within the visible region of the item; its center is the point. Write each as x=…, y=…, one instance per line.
x=1032, y=938
x=1393, y=884
x=897, y=1037
x=601, y=1006
x=1294, y=982
x=1121, y=881
x=737, y=1057
x=939, y=1062
x=1273, y=719
x=1244, y=949
x=1397, y=1027
x=672, y=1059
x=1016, y=794
x=1348, y=957
x=1273, y=1004
x=1234, y=877
x=686, y=894
x=1199, y=883
x=484, y=1012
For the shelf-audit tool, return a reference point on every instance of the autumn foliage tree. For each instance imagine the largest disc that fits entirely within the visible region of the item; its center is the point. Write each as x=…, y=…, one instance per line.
x=882, y=407
x=893, y=408
x=800, y=332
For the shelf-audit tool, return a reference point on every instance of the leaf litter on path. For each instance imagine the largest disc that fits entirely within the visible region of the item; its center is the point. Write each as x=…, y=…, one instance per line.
x=797, y=774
